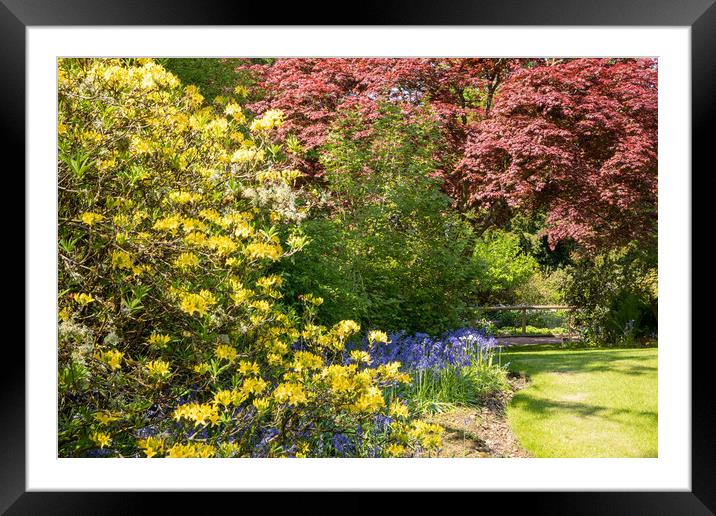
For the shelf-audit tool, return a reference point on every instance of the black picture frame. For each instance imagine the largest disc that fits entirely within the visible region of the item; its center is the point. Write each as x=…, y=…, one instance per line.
x=17, y=15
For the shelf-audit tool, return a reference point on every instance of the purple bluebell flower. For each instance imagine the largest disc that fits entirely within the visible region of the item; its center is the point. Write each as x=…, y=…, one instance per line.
x=342, y=445
x=420, y=351
x=99, y=453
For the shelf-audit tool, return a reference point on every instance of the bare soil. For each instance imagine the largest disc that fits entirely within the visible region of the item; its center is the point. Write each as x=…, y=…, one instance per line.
x=481, y=432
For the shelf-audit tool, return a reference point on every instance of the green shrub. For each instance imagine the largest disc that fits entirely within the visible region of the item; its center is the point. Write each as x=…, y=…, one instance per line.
x=213, y=77
x=502, y=267
x=388, y=248
x=543, y=288
x=616, y=295
x=174, y=339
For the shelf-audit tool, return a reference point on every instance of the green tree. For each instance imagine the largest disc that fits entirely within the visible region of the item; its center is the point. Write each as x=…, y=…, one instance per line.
x=616, y=294
x=388, y=247
x=502, y=266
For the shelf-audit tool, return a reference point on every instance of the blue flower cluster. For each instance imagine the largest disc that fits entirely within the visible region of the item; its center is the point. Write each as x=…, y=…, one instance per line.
x=461, y=347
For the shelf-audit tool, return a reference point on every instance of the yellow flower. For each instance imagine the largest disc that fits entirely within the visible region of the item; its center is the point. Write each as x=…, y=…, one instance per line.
x=399, y=410
x=340, y=377
x=241, y=296
x=200, y=413
x=311, y=299
x=113, y=358
x=247, y=155
x=225, y=352
x=223, y=397
x=196, y=239
x=121, y=260
x=346, y=328
x=181, y=197
x=222, y=244
x=217, y=127
x=197, y=303
x=139, y=146
x=210, y=215
x=254, y=386
x=261, y=306
x=158, y=368
x=83, y=299
x=370, y=400
x=159, y=340
x=395, y=450
x=429, y=435
x=302, y=451
x=241, y=90
x=202, y=368
x=229, y=449
x=234, y=110
x=105, y=417
x=64, y=314
x=274, y=359
x=170, y=224
x=261, y=404
x=306, y=360
x=101, y=439
x=389, y=373
x=291, y=393
x=190, y=224
x=247, y=368
x=270, y=119
x=361, y=357
x=377, y=336
x=90, y=218
x=187, y=261
x=152, y=446
x=192, y=92
x=266, y=282
x=260, y=250
x=190, y=450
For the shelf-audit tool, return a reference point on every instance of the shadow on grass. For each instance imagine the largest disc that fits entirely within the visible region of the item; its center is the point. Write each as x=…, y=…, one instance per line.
x=545, y=407
x=574, y=362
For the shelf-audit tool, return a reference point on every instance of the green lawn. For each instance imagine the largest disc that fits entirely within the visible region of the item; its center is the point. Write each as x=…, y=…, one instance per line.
x=585, y=403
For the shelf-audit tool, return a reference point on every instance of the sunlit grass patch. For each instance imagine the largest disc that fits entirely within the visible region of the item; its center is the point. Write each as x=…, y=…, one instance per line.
x=586, y=403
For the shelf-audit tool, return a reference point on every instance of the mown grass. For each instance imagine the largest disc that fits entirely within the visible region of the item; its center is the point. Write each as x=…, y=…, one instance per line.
x=585, y=403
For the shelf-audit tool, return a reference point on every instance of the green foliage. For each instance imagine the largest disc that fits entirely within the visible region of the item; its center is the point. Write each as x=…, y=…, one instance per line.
x=441, y=390
x=388, y=248
x=502, y=267
x=173, y=336
x=617, y=296
x=543, y=288
x=530, y=228
x=213, y=77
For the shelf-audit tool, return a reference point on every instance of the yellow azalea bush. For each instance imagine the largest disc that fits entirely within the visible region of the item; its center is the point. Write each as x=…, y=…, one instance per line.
x=174, y=340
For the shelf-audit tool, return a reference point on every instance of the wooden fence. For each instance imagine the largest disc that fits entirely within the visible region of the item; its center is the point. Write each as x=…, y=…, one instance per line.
x=525, y=308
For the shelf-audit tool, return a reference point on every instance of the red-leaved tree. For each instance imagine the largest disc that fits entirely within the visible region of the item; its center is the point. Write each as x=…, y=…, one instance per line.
x=313, y=92
x=577, y=140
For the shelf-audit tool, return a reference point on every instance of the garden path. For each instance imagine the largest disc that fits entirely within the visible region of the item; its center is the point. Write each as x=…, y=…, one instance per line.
x=526, y=341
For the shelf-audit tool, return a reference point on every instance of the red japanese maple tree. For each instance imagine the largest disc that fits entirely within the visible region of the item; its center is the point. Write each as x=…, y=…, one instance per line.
x=577, y=140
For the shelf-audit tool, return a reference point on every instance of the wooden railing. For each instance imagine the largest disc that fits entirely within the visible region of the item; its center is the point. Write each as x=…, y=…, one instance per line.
x=524, y=309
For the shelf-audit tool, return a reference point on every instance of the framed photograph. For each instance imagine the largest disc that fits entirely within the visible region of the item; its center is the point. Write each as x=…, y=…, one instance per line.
x=430, y=243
